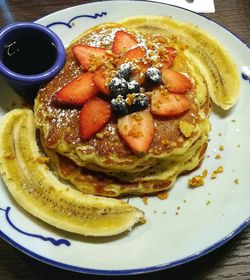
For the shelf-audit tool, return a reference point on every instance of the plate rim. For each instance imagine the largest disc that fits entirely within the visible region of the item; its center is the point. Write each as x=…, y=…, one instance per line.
x=157, y=3
x=147, y=269
x=120, y=272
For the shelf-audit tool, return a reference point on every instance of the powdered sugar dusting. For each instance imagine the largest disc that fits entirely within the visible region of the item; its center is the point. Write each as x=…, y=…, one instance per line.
x=62, y=117
x=102, y=37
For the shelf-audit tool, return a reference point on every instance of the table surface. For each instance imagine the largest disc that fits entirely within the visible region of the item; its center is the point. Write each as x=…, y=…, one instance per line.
x=231, y=261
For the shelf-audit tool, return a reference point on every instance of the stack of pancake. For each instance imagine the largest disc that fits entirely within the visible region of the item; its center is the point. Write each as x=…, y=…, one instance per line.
x=104, y=164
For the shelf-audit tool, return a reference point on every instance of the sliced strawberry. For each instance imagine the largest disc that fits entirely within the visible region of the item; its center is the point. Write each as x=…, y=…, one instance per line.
x=123, y=41
x=93, y=116
x=169, y=104
x=83, y=54
x=170, y=56
x=175, y=81
x=137, y=130
x=139, y=68
x=76, y=92
x=139, y=73
x=100, y=81
x=133, y=54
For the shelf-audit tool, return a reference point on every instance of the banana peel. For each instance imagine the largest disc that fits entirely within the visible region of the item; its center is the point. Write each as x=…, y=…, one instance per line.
x=35, y=187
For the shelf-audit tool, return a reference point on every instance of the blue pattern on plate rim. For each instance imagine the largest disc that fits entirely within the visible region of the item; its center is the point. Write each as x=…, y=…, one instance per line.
x=69, y=25
x=245, y=77
x=245, y=74
x=50, y=239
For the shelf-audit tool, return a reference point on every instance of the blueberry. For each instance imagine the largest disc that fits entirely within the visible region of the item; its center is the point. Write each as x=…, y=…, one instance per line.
x=124, y=71
x=119, y=106
x=133, y=87
x=153, y=75
x=140, y=102
x=118, y=86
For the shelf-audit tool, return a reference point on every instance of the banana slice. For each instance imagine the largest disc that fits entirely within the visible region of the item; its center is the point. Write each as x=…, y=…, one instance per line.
x=38, y=190
x=209, y=56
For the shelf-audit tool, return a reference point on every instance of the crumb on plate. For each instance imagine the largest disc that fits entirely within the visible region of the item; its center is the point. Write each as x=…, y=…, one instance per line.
x=162, y=195
x=196, y=181
x=237, y=181
x=204, y=173
x=220, y=169
x=145, y=200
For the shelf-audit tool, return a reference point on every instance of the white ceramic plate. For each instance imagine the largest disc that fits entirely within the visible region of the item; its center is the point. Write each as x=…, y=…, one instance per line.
x=207, y=216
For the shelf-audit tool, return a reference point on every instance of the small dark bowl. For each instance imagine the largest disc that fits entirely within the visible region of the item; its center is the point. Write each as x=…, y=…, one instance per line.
x=28, y=85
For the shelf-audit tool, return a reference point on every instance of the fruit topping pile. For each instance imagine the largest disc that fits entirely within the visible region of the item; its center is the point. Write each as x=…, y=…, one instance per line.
x=130, y=81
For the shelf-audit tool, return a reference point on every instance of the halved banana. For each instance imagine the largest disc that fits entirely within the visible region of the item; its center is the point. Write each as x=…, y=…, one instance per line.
x=39, y=191
x=204, y=51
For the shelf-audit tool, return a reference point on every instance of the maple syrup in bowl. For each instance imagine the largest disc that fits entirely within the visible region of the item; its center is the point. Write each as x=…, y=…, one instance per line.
x=30, y=56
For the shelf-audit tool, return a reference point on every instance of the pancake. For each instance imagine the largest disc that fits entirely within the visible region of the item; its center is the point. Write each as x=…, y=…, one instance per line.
x=159, y=178
x=60, y=126
x=105, y=164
